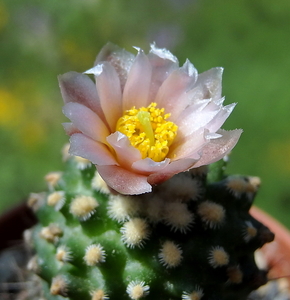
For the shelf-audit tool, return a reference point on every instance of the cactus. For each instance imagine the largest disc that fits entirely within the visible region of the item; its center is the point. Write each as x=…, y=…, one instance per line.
x=191, y=238
x=152, y=221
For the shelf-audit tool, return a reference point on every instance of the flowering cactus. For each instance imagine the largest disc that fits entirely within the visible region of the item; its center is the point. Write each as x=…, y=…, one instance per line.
x=146, y=119
x=151, y=221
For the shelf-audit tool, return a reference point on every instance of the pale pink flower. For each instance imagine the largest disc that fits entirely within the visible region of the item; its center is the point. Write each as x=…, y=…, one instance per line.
x=145, y=119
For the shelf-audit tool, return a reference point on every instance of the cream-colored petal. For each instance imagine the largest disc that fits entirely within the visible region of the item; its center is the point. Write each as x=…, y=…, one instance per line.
x=86, y=121
x=174, y=87
x=218, y=148
x=119, y=58
x=124, y=181
x=136, y=90
x=209, y=84
x=220, y=118
x=163, y=62
x=126, y=154
x=97, y=153
x=76, y=87
x=192, y=120
x=109, y=90
x=149, y=166
x=189, y=145
x=171, y=169
x=70, y=129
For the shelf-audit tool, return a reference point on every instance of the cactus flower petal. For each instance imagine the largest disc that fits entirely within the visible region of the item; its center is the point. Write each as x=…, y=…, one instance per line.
x=125, y=152
x=97, y=153
x=171, y=169
x=148, y=165
x=218, y=148
x=174, y=87
x=80, y=88
x=136, y=90
x=124, y=181
x=145, y=119
x=86, y=121
x=109, y=91
x=119, y=58
x=70, y=129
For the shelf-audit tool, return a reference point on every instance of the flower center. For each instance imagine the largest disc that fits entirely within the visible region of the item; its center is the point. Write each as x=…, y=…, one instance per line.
x=148, y=130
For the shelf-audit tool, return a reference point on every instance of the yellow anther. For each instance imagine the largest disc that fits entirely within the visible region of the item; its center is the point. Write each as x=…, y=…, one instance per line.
x=148, y=130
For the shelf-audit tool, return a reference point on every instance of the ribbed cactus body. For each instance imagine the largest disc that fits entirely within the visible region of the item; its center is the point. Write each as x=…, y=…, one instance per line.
x=191, y=238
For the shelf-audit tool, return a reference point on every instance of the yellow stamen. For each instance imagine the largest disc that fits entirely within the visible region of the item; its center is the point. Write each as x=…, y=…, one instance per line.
x=148, y=130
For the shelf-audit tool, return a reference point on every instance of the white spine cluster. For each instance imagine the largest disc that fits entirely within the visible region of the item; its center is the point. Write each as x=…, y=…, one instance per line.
x=82, y=163
x=56, y=199
x=99, y=295
x=170, y=254
x=59, y=286
x=51, y=233
x=94, y=255
x=53, y=179
x=33, y=265
x=249, y=231
x=36, y=200
x=211, y=213
x=253, y=185
x=63, y=254
x=121, y=208
x=178, y=217
x=196, y=294
x=99, y=184
x=83, y=207
x=135, y=232
x=218, y=257
x=236, y=185
x=137, y=290
x=182, y=187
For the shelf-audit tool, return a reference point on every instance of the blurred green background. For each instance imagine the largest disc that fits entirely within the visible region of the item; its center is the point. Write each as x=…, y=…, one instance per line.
x=41, y=39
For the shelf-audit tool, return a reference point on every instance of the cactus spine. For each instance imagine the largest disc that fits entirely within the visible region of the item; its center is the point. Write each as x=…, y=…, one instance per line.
x=191, y=238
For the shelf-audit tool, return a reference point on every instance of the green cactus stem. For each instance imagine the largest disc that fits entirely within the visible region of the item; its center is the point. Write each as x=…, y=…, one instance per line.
x=191, y=238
